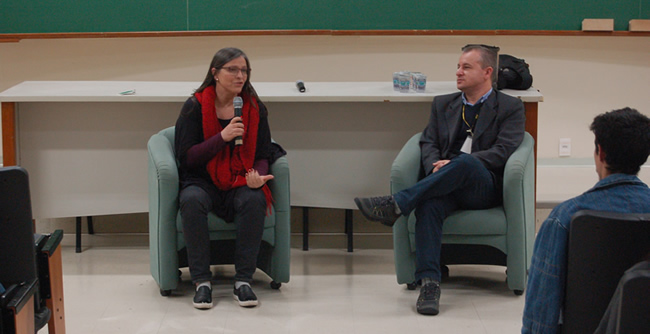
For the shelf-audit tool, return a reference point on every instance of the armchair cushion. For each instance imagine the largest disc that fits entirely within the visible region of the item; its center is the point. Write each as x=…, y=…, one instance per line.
x=493, y=222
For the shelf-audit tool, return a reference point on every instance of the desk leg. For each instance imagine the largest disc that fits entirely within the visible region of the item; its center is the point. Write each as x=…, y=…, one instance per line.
x=24, y=320
x=91, y=228
x=348, y=229
x=78, y=236
x=56, y=325
x=305, y=228
x=9, y=133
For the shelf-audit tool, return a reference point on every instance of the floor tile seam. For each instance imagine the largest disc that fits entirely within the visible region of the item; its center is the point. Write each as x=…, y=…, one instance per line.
x=478, y=316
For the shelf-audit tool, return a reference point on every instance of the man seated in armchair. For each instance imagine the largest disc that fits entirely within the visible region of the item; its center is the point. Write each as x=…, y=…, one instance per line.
x=465, y=146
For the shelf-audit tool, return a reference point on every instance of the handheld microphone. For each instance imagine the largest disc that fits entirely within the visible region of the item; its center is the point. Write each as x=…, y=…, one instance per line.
x=238, y=103
x=301, y=86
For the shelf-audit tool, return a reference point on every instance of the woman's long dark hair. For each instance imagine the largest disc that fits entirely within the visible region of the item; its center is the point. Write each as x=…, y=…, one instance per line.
x=222, y=57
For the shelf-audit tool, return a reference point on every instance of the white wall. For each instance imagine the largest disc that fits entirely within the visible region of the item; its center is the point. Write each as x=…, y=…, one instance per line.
x=579, y=77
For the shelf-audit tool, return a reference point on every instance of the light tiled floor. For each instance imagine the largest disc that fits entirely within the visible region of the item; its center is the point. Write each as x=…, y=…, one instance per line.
x=110, y=290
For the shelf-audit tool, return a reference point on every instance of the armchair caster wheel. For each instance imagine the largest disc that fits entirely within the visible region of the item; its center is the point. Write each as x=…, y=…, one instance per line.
x=165, y=293
x=275, y=285
x=412, y=286
x=519, y=292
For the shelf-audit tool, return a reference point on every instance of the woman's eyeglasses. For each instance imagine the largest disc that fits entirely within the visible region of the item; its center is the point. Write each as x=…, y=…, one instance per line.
x=232, y=70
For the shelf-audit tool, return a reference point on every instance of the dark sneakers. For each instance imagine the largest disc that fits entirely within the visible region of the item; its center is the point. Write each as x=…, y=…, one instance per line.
x=245, y=296
x=381, y=209
x=429, y=299
x=203, y=298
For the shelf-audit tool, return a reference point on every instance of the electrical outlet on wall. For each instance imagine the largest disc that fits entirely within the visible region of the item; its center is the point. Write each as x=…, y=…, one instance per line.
x=565, y=147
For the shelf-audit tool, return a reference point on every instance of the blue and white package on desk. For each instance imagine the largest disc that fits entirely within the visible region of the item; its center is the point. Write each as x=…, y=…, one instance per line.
x=396, y=77
x=418, y=82
x=406, y=81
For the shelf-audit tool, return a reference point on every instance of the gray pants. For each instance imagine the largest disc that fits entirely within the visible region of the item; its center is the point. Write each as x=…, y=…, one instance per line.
x=246, y=206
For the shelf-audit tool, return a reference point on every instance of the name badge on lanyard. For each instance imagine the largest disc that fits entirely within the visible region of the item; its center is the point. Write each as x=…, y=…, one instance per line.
x=467, y=145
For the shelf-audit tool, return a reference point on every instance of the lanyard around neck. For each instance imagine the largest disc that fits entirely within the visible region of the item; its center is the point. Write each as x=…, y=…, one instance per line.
x=470, y=130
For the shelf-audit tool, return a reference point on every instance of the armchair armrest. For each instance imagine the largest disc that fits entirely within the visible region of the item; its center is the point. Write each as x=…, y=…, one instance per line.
x=163, y=208
x=518, y=184
x=404, y=173
x=280, y=184
x=282, y=205
x=407, y=165
x=519, y=207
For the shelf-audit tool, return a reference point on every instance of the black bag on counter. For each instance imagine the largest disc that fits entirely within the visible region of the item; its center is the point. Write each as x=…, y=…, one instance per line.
x=513, y=73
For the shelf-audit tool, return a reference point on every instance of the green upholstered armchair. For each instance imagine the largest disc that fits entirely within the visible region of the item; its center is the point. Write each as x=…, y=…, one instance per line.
x=500, y=236
x=166, y=243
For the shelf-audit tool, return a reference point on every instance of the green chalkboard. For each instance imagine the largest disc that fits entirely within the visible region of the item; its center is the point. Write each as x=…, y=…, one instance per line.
x=79, y=16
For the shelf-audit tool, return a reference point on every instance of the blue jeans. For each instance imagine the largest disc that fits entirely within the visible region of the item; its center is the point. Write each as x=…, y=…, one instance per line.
x=464, y=183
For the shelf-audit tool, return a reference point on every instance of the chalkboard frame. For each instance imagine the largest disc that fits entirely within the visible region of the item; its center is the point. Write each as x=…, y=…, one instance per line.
x=8, y=38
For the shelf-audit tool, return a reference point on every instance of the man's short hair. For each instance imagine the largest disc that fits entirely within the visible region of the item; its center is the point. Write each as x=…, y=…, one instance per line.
x=624, y=135
x=489, y=57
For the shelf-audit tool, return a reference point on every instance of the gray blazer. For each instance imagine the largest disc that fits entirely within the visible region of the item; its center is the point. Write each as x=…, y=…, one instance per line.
x=499, y=131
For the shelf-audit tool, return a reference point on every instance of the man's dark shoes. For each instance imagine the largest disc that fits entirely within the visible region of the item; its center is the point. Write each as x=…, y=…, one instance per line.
x=203, y=298
x=429, y=299
x=245, y=296
x=381, y=209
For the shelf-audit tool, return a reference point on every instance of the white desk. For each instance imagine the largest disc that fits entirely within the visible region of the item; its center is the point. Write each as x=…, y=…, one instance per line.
x=84, y=145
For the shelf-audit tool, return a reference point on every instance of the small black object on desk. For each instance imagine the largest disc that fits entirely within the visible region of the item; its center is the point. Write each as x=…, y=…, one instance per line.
x=301, y=86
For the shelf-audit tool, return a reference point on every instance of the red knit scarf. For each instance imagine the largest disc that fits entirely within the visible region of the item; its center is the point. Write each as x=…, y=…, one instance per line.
x=228, y=169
